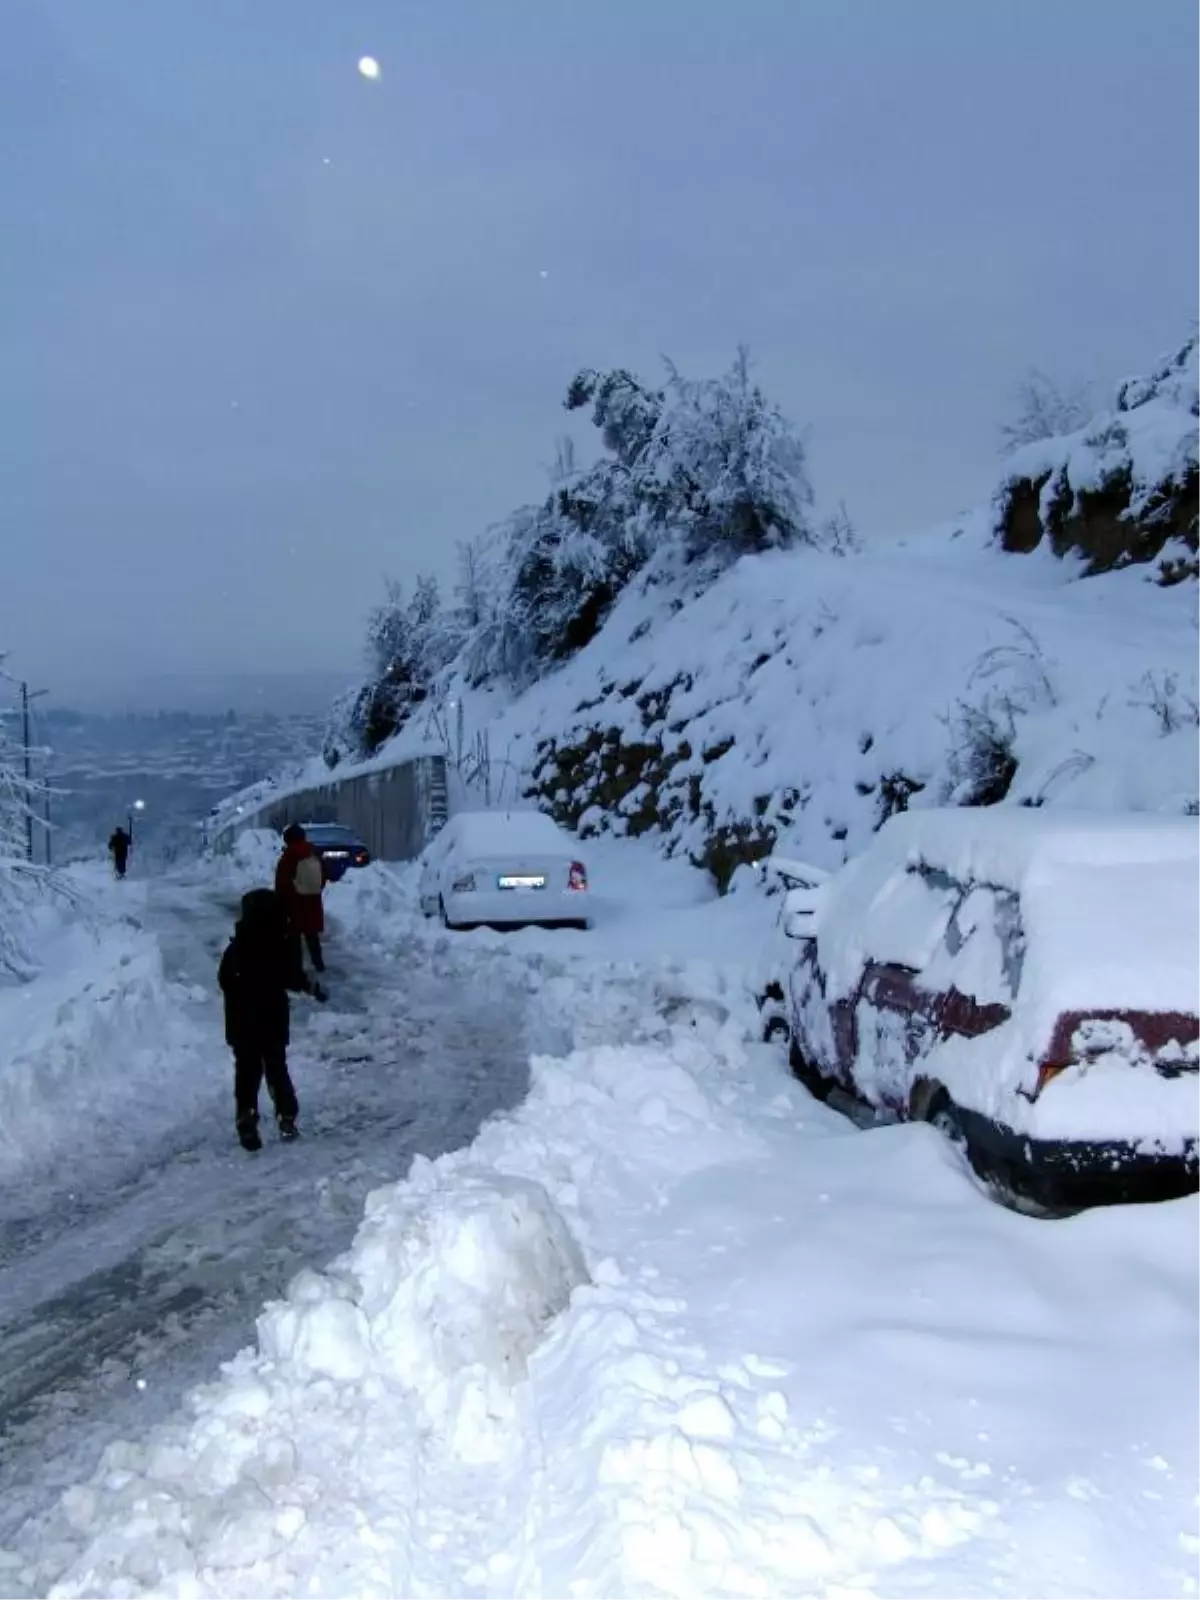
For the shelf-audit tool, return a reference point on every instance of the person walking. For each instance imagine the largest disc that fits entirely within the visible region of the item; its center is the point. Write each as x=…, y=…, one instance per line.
x=258, y=970
x=119, y=846
x=300, y=883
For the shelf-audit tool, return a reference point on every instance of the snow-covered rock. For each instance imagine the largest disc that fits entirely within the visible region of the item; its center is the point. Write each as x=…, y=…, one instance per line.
x=1121, y=489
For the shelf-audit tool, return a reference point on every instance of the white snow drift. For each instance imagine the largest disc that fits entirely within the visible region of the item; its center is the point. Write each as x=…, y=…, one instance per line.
x=674, y=1329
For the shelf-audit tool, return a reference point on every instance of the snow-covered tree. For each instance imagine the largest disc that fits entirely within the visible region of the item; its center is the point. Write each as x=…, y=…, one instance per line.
x=20, y=882
x=705, y=468
x=345, y=727
x=837, y=533
x=18, y=799
x=1045, y=410
x=624, y=410
x=730, y=472
x=408, y=643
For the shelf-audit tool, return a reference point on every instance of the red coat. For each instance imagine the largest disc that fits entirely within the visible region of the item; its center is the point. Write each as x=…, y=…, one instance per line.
x=306, y=912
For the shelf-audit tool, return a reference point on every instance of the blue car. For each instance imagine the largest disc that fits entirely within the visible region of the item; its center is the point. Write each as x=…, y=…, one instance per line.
x=339, y=848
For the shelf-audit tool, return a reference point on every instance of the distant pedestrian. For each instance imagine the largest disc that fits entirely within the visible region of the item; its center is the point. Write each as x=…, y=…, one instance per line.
x=257, y=971
x=299, y=883
x=119, y=847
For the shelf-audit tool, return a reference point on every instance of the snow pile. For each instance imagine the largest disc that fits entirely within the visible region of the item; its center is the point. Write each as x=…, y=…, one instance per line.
x=454, y=1280
x=22, y=905
x=426, y=1324
x=254, y=856
x=82, y=1046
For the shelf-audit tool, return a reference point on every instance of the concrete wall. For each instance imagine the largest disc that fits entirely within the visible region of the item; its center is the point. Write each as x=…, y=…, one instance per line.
x=394, y=812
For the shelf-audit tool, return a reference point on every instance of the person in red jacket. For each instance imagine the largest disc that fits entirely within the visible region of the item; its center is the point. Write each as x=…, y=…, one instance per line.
x=299, y=882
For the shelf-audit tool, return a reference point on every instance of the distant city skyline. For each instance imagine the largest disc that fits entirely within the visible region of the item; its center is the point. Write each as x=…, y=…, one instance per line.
x=275, y=330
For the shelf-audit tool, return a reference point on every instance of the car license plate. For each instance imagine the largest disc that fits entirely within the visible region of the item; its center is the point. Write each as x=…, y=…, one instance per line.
x=520, y=881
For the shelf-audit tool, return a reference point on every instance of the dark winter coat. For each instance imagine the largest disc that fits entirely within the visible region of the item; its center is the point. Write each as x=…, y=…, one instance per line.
x=119, y=843
x=260, y=965
x=306, y=912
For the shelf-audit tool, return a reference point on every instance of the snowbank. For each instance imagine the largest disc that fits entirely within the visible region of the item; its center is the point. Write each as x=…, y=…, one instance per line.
x=669, y=1330
x=82, y=1045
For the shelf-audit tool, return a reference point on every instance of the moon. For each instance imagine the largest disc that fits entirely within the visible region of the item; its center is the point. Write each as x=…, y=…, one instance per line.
x=368, y=67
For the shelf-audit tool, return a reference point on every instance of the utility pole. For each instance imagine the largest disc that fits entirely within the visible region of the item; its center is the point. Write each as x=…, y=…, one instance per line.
x=28, y=772
x=26, y=739
x=27, y=695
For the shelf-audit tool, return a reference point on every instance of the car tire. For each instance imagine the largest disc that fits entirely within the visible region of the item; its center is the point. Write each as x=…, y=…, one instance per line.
x=776, y=1030
x=939, y=1112
x=818, y=1086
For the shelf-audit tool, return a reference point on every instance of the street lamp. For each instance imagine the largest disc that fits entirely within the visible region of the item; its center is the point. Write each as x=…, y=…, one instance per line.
x=139, y=806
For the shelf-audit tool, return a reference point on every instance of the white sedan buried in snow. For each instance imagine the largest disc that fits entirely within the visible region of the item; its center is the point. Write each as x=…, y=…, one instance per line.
x=1025, y=980
x=504, y=869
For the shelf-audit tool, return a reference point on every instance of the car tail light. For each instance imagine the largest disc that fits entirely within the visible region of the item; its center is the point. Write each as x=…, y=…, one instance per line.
x=1046, y=1074
x=361, y=857
x=1164, y=1041
x=577, y=876
x=464, y=884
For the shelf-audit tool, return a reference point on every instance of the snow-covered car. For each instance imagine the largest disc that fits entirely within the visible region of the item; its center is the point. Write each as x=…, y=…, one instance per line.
x=1024, y=979
x=504, y=869
x=339, y=848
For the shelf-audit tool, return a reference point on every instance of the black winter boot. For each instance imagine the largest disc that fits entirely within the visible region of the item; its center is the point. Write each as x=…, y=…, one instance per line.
x=247, y=1130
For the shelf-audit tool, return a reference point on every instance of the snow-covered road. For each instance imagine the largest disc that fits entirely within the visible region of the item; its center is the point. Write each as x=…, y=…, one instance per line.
x=131, y=1267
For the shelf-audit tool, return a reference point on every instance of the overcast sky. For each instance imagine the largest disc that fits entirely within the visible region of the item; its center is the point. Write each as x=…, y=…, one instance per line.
x=271, y=331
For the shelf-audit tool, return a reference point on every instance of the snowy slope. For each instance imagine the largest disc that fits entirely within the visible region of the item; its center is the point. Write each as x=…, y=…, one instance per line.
x=805, y=695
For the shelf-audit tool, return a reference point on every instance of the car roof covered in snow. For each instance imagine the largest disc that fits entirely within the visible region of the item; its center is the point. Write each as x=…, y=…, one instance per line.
x=1109, y=904
x=1010, y=845
x=502, y=831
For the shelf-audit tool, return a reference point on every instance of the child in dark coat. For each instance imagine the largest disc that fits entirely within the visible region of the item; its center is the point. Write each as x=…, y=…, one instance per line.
x=258, y=969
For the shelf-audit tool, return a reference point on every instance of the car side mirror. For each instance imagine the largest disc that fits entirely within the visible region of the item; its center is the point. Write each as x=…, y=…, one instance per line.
x=801, y=912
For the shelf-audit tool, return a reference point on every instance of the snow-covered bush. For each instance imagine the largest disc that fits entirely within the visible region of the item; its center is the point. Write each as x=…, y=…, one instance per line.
x=980, y=766
x=1045, y=410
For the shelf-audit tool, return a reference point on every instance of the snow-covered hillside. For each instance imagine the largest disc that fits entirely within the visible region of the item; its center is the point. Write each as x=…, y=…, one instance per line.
x=811, y=694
